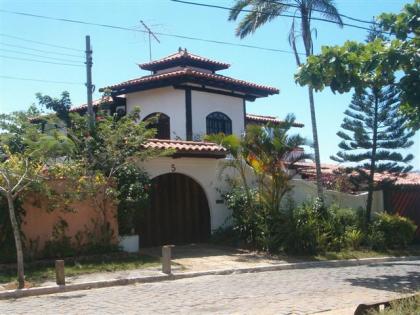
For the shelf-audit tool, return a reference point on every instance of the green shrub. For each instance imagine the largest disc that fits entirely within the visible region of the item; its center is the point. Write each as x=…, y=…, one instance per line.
x=353, y=238
x=313, y=229
x=244, y=214
x=391, y=231
x=303, y=230
x=133, y=187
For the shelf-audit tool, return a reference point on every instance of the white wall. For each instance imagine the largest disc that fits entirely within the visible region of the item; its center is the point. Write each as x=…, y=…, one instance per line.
x=205, y=172
x=165, y=100
x=204, y=103
x=171, y=102
x=306, y=191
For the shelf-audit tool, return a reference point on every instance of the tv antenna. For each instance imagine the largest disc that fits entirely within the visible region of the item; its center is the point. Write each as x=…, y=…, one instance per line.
x=151, y=34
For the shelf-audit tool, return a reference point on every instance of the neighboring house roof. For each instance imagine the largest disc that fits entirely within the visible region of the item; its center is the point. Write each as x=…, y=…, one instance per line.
x=95, y=103
x=259, y=119
x=184, y=58
x=188, y=75
x=188, y=148
x=308, y=171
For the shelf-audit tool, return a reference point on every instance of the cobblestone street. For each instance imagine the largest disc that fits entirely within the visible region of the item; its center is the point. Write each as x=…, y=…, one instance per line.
x=304, y=291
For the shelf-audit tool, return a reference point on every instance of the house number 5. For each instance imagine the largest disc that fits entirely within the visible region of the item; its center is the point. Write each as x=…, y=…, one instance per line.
x=173, y=168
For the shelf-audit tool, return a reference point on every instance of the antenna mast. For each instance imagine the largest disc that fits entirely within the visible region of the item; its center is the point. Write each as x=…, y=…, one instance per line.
x=150, y=32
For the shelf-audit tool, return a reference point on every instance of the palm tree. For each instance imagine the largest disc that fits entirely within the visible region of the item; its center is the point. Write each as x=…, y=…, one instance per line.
x=263, y=11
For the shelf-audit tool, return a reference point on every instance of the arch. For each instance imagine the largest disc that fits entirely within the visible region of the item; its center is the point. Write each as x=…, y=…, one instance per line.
x=218, y=122
x=179, y=212
x=161, y=122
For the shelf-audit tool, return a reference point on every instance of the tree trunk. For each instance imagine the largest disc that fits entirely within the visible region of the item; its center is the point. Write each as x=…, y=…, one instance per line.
x=320, y=190
x=18, y=242
x=307, y=41
x=371, y=180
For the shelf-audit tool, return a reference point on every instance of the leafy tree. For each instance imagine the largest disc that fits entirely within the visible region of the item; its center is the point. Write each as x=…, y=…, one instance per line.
x=263, y=11
x=109, y=152
x=60, y=106
x=25, y=153
x=266, y=152
x=372, y=133
x=374, y=64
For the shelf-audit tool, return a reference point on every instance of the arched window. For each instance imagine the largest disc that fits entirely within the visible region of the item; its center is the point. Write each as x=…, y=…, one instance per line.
x=218, y=122
x=161, y=123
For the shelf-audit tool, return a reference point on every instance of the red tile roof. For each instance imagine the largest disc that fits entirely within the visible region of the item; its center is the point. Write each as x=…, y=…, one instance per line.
x=268, y=119
x=307, y=170
x=191, y=73
x=183, y=147
x=95, y=103
x=182, y=57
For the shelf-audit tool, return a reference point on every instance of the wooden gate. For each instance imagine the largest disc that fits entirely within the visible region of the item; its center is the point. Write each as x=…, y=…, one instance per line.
x=405, y=201
x=178, y=213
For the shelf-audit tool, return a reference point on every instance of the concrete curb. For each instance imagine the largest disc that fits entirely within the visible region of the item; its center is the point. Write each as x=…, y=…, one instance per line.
x=19, y=293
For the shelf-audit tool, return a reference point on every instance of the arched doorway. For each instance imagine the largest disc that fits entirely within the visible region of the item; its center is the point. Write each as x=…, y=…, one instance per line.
x=178, y=213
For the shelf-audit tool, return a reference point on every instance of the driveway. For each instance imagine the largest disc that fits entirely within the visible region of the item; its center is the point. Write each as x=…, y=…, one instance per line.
x=203, y=257
x=304, y=291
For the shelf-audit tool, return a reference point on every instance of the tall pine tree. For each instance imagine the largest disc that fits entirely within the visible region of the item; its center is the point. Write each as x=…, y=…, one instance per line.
x=373, y=135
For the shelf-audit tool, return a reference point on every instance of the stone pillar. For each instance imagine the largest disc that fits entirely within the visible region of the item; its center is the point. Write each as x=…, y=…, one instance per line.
x=60, y=278
x=166, y=259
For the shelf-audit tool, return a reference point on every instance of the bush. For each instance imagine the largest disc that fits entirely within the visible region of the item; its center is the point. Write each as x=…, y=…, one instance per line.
x=303, y=230
x=353, y=238
x=313, y=229
x=133, y=187
x=391, y=231
x=244, y=216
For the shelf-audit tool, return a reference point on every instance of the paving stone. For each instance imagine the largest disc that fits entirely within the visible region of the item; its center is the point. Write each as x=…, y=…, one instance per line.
x=304, y=291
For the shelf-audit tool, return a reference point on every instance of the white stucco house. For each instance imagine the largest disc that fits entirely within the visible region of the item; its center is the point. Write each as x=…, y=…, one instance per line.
x=192, y=100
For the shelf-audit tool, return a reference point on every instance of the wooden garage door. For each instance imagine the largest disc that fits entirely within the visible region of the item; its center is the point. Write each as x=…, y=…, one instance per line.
x=178, y=213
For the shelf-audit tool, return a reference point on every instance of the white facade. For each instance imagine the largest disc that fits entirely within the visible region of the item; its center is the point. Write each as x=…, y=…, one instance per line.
x=168, y=101
x=172, y=102
x=204, y=103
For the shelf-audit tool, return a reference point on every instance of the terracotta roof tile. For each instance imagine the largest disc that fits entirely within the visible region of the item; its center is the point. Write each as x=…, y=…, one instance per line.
x=95, y=103
x=268, y=119
x=183, y=56
x=188, y=72
x=408, y=179
x=187, y=146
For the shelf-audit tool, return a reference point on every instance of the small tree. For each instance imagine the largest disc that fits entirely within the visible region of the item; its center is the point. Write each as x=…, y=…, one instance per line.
x=372, y=133
x=268, y=152
x=24, y=154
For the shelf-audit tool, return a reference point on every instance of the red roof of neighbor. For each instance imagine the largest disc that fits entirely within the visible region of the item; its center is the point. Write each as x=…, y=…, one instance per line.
x=407, y=179
x=268, y=119
x=95, y=103
x=184, y=58
x=191, y=73
x=182, y=146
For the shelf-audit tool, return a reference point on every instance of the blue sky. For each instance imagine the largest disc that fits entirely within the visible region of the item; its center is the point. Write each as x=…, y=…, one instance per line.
x=116, y=52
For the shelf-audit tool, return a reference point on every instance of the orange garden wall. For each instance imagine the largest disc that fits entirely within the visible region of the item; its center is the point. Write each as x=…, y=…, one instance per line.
x=38, y=223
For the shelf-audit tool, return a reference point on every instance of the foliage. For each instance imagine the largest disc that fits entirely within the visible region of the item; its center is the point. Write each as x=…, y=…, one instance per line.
x=371, y=134
x=391, y=231
x=406, y=306
x=375, y=64
x=60, y=106
x=262, y=12
x=266, y=154
x=133, y=186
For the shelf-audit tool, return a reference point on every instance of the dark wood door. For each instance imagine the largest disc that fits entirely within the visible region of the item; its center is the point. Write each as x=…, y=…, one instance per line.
x=178, y=212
